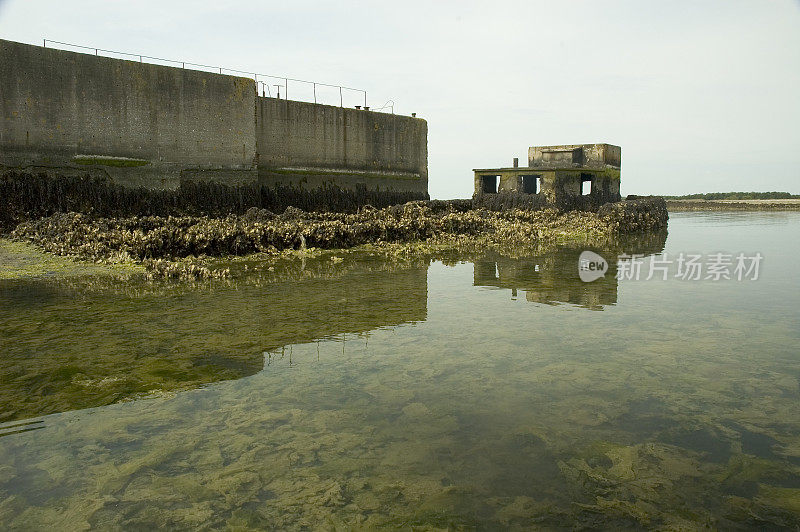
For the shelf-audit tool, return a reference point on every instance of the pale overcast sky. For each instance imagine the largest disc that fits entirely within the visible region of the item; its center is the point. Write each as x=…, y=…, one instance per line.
x=702, y=96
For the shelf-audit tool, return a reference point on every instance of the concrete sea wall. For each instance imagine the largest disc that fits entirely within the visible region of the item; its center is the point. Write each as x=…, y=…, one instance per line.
x=138, y=123
x=311, y=145
x=158, y=128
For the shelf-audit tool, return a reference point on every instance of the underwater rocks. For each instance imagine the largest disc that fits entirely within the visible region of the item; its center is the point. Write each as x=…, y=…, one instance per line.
x=158, y=242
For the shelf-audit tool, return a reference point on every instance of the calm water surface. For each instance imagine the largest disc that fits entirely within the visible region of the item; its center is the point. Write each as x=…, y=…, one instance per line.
x=488, y=393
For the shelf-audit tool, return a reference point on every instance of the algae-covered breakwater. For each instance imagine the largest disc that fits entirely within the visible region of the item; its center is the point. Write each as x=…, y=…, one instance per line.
x=27, y=196
x=149, y=238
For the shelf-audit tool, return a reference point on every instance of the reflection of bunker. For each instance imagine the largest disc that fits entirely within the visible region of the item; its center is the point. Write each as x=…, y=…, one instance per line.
x=552, y=278
x=101, y=346
x=575, y=175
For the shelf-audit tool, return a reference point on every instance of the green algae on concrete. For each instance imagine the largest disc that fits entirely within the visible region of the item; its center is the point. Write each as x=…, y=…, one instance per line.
x=102, y=160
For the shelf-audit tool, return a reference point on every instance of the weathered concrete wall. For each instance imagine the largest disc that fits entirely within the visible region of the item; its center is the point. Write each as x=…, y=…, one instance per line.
x=308, y=145
x=507, y=179
x=565, y=187
x=555, y=187
x=59, y=107
x=158, y=127
x=594, y=155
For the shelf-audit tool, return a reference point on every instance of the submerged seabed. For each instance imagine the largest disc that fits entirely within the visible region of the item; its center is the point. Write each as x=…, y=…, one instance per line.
x=466, y=392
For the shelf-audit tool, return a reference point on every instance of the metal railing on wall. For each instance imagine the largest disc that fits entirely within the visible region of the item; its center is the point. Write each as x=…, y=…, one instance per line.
x=262, y=85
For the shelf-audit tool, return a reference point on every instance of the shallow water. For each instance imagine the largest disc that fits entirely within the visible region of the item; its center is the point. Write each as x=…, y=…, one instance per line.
x=482, y=392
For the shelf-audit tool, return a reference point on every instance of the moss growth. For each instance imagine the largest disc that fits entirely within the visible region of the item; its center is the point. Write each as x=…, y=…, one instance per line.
x=357, y=173
x=117, y=162
x=21, y=260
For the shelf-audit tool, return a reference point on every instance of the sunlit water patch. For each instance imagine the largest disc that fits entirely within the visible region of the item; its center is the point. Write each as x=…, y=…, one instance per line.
x=484, y=393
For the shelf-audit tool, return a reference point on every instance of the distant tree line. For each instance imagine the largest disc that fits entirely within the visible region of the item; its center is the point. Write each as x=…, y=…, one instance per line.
x=737, y=196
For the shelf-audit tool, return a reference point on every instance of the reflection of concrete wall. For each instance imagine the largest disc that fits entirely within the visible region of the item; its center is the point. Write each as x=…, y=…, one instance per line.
x=358, y=302
x=102, y=346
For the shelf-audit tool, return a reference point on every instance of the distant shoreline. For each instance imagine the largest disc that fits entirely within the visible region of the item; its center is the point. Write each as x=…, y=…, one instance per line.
x=733, y=205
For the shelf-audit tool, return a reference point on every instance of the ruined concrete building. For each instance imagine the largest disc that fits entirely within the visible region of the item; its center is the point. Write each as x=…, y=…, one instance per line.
x=574, y=175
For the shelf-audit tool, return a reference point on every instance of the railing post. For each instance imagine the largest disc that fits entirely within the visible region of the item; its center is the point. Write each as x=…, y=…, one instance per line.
x=265, y=90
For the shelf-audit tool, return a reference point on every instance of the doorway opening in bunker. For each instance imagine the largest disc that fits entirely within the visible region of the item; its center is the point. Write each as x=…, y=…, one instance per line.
x=531, y=184
x=489, y=184
x=586, y=184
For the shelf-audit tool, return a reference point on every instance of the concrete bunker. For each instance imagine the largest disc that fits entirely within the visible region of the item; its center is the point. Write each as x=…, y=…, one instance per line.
x=563, y=176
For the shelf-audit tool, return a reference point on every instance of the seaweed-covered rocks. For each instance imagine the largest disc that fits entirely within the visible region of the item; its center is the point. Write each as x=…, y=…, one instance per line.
x=635, y=215
x=26, y=195
x=154, y=238
x=254, y=214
